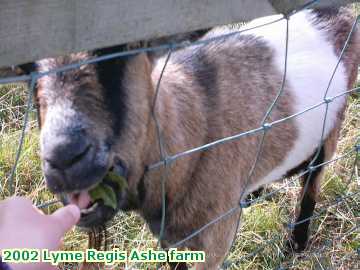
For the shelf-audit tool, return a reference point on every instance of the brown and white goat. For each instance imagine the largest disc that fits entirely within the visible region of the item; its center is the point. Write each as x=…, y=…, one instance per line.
x=99, y=117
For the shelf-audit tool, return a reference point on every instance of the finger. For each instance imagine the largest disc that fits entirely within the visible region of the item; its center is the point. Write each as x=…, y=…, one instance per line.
x=15, y=206
x=65, y=218
x=18, y=201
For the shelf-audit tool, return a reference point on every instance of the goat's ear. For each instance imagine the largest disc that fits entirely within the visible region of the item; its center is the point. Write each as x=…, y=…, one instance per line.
x=25, y=68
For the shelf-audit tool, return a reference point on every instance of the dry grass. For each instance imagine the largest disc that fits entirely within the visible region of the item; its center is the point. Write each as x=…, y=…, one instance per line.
x=335, y=240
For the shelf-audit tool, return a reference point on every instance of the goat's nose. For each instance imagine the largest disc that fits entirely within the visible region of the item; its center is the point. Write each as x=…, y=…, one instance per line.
x=65, y=150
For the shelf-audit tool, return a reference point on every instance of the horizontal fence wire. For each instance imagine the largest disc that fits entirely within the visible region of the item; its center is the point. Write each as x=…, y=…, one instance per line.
x=166, y=160
x=264, y=197
x=204, y=147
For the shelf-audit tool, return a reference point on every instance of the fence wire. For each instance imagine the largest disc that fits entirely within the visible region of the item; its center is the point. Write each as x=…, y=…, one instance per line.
x=166, y=160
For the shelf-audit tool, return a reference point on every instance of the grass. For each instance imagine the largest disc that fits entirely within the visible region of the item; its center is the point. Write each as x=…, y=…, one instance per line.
x=335, y=239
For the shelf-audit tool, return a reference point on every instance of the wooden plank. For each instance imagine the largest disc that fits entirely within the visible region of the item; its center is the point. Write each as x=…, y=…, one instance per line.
x=35, y=29
x=285, y=6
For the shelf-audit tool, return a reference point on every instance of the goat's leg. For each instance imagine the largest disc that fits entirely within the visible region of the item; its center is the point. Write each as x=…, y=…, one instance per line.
x=310, y=187
x=310, y=190
x=216, y=241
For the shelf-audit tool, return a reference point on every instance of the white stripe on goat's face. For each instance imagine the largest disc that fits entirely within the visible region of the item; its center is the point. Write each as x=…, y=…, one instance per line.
x=60, y=117
x=72, y=158
x=308, y=83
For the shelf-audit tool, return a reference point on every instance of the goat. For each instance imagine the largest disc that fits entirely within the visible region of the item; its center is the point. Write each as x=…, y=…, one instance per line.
x=99, y=117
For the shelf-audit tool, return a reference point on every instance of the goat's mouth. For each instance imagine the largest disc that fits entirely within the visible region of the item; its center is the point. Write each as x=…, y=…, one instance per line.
x=99, y=202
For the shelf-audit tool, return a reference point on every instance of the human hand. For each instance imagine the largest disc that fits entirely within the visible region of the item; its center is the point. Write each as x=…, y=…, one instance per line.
x=22, y=225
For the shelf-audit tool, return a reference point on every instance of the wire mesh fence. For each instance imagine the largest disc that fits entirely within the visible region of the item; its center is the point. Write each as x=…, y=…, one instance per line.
x=264, y=126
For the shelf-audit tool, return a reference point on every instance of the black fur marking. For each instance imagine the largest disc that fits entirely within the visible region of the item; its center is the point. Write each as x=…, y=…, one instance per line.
x=141, y=190
x=199, y=65
x=326, y=13
x=254, y=195
x=28, y=67
x=198, y=34
x=178, y=266
x=300, y=168
x=205, y=72
x=202, y=67
x=300, y=233
x=111, y=77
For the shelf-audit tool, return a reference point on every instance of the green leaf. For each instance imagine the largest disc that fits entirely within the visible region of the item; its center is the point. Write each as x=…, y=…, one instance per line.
x=121, y=181
x=105, y=193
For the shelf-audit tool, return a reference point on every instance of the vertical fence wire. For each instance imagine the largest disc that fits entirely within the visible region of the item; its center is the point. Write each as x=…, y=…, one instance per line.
x=23, y=132
x=266, y=127
x=163, y=152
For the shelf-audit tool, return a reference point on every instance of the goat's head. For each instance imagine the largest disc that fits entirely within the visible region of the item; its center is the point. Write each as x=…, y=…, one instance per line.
x=94, y=119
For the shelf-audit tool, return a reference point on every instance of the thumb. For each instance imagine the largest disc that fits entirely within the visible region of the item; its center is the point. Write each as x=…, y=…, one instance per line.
x=66, y=217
